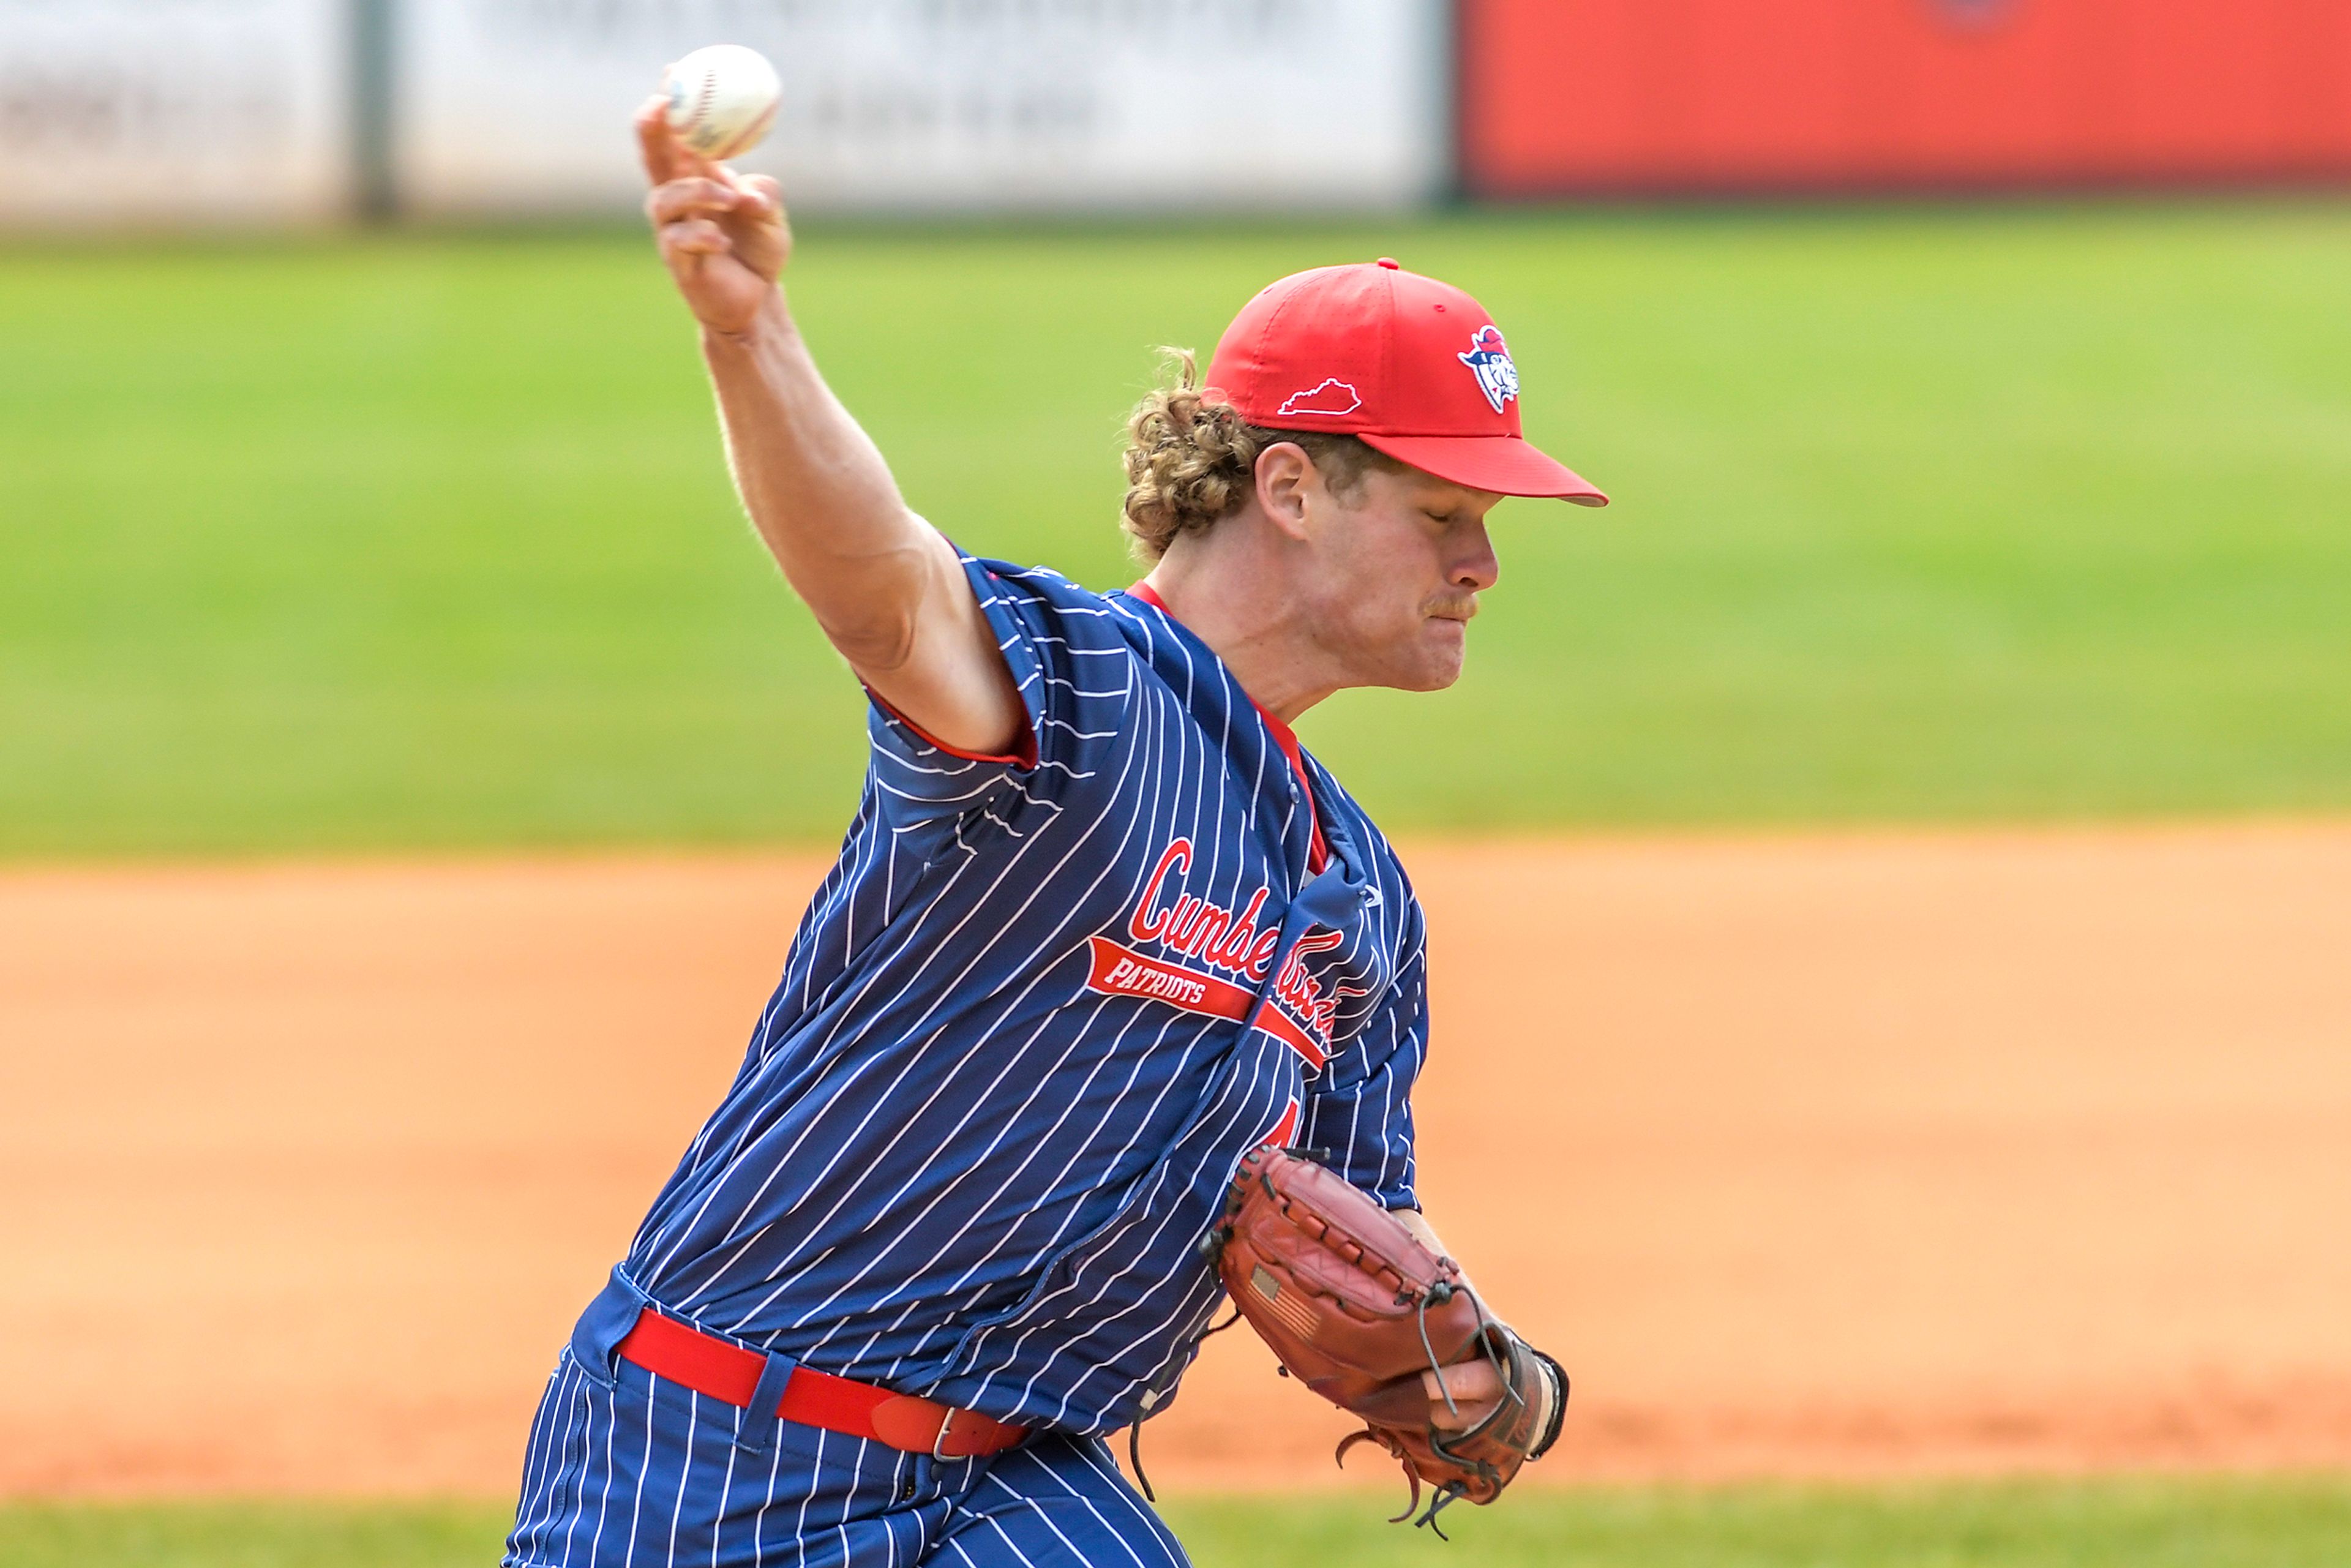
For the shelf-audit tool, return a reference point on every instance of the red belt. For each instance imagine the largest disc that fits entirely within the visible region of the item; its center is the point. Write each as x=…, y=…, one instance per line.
x=683, y=1354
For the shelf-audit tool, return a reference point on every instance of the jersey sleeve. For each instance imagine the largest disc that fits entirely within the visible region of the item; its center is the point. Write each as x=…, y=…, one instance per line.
x=1360, y=1110
x=1074, y=673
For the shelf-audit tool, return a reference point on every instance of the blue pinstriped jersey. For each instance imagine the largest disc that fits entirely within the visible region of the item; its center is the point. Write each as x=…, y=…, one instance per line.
x=1032, y=1019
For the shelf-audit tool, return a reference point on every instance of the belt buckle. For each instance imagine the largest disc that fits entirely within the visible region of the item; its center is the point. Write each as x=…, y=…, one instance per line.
x=947, y=1414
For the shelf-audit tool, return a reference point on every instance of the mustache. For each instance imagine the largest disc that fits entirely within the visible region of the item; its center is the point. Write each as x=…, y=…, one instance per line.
x=1452, y=606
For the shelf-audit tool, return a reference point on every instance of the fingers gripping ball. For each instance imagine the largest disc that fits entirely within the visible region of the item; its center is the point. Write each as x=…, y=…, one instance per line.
x=722, y=99
x=1358, y=1309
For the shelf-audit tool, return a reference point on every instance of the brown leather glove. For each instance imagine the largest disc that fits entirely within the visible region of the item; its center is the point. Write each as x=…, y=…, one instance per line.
x=1357, y=1309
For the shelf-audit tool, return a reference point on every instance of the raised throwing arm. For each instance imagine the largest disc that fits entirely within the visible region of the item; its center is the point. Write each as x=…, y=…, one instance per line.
x=884, y=585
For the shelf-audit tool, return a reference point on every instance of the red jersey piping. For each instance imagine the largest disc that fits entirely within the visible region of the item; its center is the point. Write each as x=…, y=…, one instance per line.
x=1024, y=757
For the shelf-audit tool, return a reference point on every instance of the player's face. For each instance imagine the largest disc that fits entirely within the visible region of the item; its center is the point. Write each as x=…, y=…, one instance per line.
x=1400, y=562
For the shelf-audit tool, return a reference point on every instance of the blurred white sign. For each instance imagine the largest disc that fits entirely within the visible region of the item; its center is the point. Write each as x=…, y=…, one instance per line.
x=915, y=105
x=157, y=111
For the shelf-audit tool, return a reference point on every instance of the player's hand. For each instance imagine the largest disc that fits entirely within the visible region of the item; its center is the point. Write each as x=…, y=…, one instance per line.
x=722, y=234
x=1476, y=1388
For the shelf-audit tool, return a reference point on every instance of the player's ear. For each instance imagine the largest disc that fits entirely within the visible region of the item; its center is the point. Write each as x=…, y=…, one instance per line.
x=1285, y=477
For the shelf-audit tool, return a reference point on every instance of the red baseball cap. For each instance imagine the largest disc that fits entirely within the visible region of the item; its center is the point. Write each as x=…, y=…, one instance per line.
x=1413, y=367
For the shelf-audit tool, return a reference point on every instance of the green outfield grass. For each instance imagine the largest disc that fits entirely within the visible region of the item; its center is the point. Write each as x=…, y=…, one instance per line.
x=425, y=541
x=2266, y=1523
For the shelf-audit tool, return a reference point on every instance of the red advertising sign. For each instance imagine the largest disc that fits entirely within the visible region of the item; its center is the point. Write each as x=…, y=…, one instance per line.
x=1562, y=96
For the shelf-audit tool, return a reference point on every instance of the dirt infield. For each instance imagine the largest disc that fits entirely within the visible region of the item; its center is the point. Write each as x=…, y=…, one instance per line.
x=1810, y=1155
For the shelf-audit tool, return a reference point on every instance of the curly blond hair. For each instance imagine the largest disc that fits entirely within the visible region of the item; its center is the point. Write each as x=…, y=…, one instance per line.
x=1191, y=459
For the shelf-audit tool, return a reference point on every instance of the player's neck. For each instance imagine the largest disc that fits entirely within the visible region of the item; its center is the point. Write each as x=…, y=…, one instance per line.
x=1227, y=593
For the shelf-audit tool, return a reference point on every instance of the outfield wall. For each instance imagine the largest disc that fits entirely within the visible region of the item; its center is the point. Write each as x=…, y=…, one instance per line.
x=172, y=111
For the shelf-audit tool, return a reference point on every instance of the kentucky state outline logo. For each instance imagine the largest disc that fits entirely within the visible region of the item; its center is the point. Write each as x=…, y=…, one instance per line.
x=1497, y=378
x=1332, y=397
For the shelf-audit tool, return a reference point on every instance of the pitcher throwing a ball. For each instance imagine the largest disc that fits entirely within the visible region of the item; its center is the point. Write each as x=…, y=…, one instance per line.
x=1100, y=933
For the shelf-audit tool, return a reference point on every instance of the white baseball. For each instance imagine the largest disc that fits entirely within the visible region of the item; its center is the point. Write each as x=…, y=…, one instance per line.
x=722, y=99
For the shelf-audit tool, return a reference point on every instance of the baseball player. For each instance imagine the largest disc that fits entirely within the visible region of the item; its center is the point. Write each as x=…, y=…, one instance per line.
x=1100, y=929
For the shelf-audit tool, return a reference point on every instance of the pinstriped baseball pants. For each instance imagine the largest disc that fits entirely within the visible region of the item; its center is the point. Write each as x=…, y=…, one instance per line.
x=646, y=1473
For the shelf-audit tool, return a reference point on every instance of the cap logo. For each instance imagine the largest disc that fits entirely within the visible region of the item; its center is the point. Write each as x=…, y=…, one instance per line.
x=1332, y=399
x=1497, y=378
